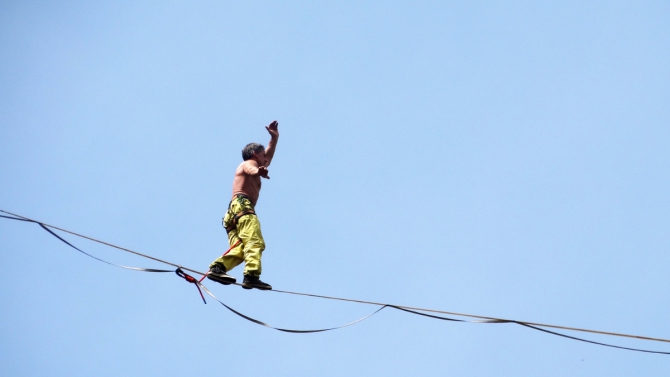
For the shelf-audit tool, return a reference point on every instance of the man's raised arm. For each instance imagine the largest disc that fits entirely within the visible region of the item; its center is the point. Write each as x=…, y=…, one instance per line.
x=274, y=136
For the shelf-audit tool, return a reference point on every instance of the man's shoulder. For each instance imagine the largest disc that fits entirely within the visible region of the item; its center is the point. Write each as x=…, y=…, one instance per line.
x=245, y=164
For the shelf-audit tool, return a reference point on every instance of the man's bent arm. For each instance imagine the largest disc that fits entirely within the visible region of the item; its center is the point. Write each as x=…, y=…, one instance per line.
x=252, y=169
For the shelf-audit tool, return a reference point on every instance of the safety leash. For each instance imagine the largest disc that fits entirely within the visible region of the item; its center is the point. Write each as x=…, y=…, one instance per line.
x=224, y=254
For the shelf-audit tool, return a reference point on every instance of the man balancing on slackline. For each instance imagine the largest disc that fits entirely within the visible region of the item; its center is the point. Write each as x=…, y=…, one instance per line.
x=241, y=222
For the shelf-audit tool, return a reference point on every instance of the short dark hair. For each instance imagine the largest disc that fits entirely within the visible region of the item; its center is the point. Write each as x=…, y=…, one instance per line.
x=250, y=149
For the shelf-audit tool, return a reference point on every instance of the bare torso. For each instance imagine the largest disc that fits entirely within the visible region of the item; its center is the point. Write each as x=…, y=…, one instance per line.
x=248, y=175
x=246, y=184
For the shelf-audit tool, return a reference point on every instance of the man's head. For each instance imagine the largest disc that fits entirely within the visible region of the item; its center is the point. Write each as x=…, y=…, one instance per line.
x=256, y=152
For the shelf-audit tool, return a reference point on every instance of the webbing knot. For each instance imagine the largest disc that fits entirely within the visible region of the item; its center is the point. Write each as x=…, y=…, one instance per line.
x=190, y=279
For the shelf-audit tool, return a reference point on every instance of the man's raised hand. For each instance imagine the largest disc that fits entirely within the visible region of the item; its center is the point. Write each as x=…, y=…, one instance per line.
x=273, y=130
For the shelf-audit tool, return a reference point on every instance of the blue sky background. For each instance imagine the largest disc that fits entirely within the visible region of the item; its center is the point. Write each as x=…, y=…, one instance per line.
x=506, y=159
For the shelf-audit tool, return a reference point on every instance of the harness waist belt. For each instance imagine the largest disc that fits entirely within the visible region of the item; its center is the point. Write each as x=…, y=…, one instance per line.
x=236, y=218
x=242, y=196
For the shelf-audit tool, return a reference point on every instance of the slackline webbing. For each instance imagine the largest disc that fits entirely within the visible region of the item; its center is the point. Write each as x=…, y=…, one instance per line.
x=418, y=311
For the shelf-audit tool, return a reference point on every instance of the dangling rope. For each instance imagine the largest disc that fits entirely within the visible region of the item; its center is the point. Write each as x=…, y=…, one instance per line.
x=408, y=309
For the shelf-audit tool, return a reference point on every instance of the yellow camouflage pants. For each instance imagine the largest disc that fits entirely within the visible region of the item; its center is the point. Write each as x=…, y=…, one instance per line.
x=248, y=230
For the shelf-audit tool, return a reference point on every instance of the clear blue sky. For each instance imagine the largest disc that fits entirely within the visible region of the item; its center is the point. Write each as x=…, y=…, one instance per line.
x=506, y=159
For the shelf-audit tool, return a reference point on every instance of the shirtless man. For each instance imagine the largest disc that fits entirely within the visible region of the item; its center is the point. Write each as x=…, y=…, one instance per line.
x=241, y=222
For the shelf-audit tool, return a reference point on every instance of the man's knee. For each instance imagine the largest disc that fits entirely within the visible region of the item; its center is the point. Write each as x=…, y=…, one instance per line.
x=256, y=244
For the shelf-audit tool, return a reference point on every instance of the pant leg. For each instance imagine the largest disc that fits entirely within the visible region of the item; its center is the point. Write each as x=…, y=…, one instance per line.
x=236, y=255
x=249, y=231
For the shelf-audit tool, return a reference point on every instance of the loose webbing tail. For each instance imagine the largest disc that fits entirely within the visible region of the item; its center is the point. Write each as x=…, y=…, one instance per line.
x=46, y=227
x=287, y=330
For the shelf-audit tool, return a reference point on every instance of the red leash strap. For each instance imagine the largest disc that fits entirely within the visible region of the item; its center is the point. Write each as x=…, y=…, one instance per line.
x=232, y=247
x=190, y=279
x=227, y=251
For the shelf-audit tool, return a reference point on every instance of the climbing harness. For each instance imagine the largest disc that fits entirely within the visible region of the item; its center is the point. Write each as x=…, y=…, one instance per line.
x=237, y=216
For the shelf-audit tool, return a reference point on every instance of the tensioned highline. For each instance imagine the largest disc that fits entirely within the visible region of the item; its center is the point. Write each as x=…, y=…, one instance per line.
x=480, y=318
